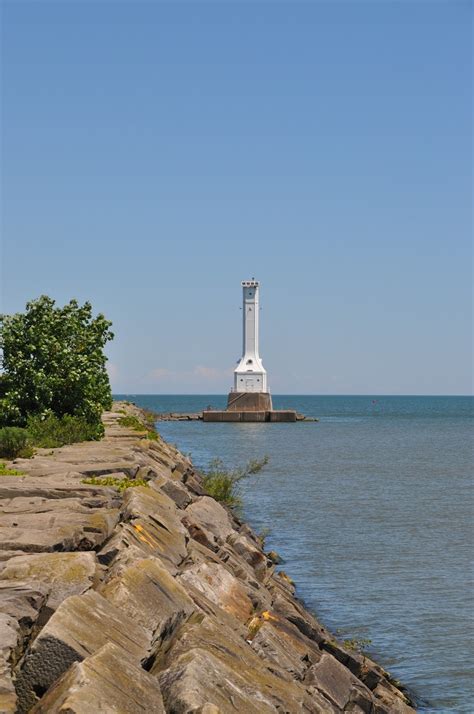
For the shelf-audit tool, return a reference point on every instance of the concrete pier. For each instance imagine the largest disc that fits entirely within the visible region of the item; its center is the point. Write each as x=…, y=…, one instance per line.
x=273, y=415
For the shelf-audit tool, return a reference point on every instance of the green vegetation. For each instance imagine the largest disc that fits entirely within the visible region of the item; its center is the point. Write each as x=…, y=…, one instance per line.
x=133, y=422
x=357, y=645
x=53, y=365
x=119, y=483
x=9, y=472
x=263, y=535
x=222, y=483
x=52, y=431
x=13, y=442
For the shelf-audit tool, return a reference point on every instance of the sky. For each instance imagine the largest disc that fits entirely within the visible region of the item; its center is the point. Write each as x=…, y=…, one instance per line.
x=155, y=154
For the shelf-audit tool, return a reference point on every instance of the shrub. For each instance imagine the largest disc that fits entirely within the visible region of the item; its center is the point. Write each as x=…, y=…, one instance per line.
x=132, y=422
x=53, y=431
x=53, y=362
x=13, y=441
x=221, y=483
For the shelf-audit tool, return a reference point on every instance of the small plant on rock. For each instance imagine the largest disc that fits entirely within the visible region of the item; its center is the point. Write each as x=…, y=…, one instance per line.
x=132, y=422
x=119, y=483
x=222, y=483
x=357, y=645
x=9, y=472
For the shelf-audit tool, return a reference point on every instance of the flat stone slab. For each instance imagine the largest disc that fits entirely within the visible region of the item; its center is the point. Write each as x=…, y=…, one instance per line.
x=64, y=574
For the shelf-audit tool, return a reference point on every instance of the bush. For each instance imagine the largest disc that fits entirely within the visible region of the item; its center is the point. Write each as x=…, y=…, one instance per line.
x=221, y=483
x=13, y=441
x=133, y=422
x=53, y=431
x=53, y=362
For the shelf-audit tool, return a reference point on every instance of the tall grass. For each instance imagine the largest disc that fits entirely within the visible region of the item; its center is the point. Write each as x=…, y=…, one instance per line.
x=222, y=483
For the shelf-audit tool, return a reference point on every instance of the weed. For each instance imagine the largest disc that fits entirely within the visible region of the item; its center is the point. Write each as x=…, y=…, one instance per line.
x=133, y=422
x=221, y=483
x=9, y=472
x=262, y=536
x=357, y=645
x=119, y=483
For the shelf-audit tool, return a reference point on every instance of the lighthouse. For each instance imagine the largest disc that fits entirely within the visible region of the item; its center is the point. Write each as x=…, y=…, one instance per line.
x=250, y=389
x=249, y=399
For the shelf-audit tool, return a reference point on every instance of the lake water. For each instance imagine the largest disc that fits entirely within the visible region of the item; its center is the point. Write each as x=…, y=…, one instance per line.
x=372, y=511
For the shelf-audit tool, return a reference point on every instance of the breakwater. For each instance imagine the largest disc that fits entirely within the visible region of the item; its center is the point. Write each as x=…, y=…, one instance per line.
x=154, y=597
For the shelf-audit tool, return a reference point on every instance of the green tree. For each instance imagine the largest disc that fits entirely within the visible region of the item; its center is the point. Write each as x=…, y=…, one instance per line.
x=53, y=362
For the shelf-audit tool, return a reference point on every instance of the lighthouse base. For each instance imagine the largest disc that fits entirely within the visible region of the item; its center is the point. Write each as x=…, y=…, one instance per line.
x=249, y=402
x=286, y=415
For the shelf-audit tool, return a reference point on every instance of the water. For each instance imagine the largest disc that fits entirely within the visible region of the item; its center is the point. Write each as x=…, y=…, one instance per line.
x=371, y=509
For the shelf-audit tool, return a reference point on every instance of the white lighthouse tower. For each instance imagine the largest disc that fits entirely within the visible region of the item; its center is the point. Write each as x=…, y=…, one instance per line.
x=250, y=377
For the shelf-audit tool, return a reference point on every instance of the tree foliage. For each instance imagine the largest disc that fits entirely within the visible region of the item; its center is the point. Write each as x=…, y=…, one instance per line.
x=53, y=362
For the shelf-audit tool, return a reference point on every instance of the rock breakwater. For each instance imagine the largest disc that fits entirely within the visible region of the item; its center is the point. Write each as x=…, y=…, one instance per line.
x=154, y=597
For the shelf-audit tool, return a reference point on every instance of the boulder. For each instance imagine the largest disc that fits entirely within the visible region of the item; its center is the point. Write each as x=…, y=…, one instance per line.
x=20, y=606
x=176, y=491
x=154, y=524
x=293, y=611
x=276, y=639
x=197, y=680
x=104, y=682
x=252, y=555
x=64, y=573
x=9, y=635
x=81, y=625
x=211, y=517
x=390, y=700
x=56, y=530
x=221, y=587
x=341, y=687
x=149, y=595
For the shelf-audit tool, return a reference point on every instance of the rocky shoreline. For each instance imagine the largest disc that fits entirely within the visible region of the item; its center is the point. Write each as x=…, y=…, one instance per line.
x=118, y=597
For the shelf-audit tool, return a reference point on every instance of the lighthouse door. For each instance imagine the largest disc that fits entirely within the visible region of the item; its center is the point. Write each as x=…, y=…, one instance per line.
x=249, y=384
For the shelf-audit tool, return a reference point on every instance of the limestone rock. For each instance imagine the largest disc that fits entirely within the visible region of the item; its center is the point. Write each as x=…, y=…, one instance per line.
x=152, y=524
x=391, y=700
x=81, y=625
x=211, y=517
x=149, y=595
x=340, y=686
x=9, y=635
x=221, y=587
x=58, y=530
x=298, y=616
x=197, y=680
x=107, y=681
x=64, y=573
x=276, y=639
x=242, y=545
x=178, y=492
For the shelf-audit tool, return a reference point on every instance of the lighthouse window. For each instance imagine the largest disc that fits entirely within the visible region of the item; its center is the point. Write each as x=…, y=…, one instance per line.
x=249, y=361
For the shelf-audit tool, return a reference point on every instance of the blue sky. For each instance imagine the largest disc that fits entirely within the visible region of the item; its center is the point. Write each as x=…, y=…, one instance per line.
x=157, y=153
